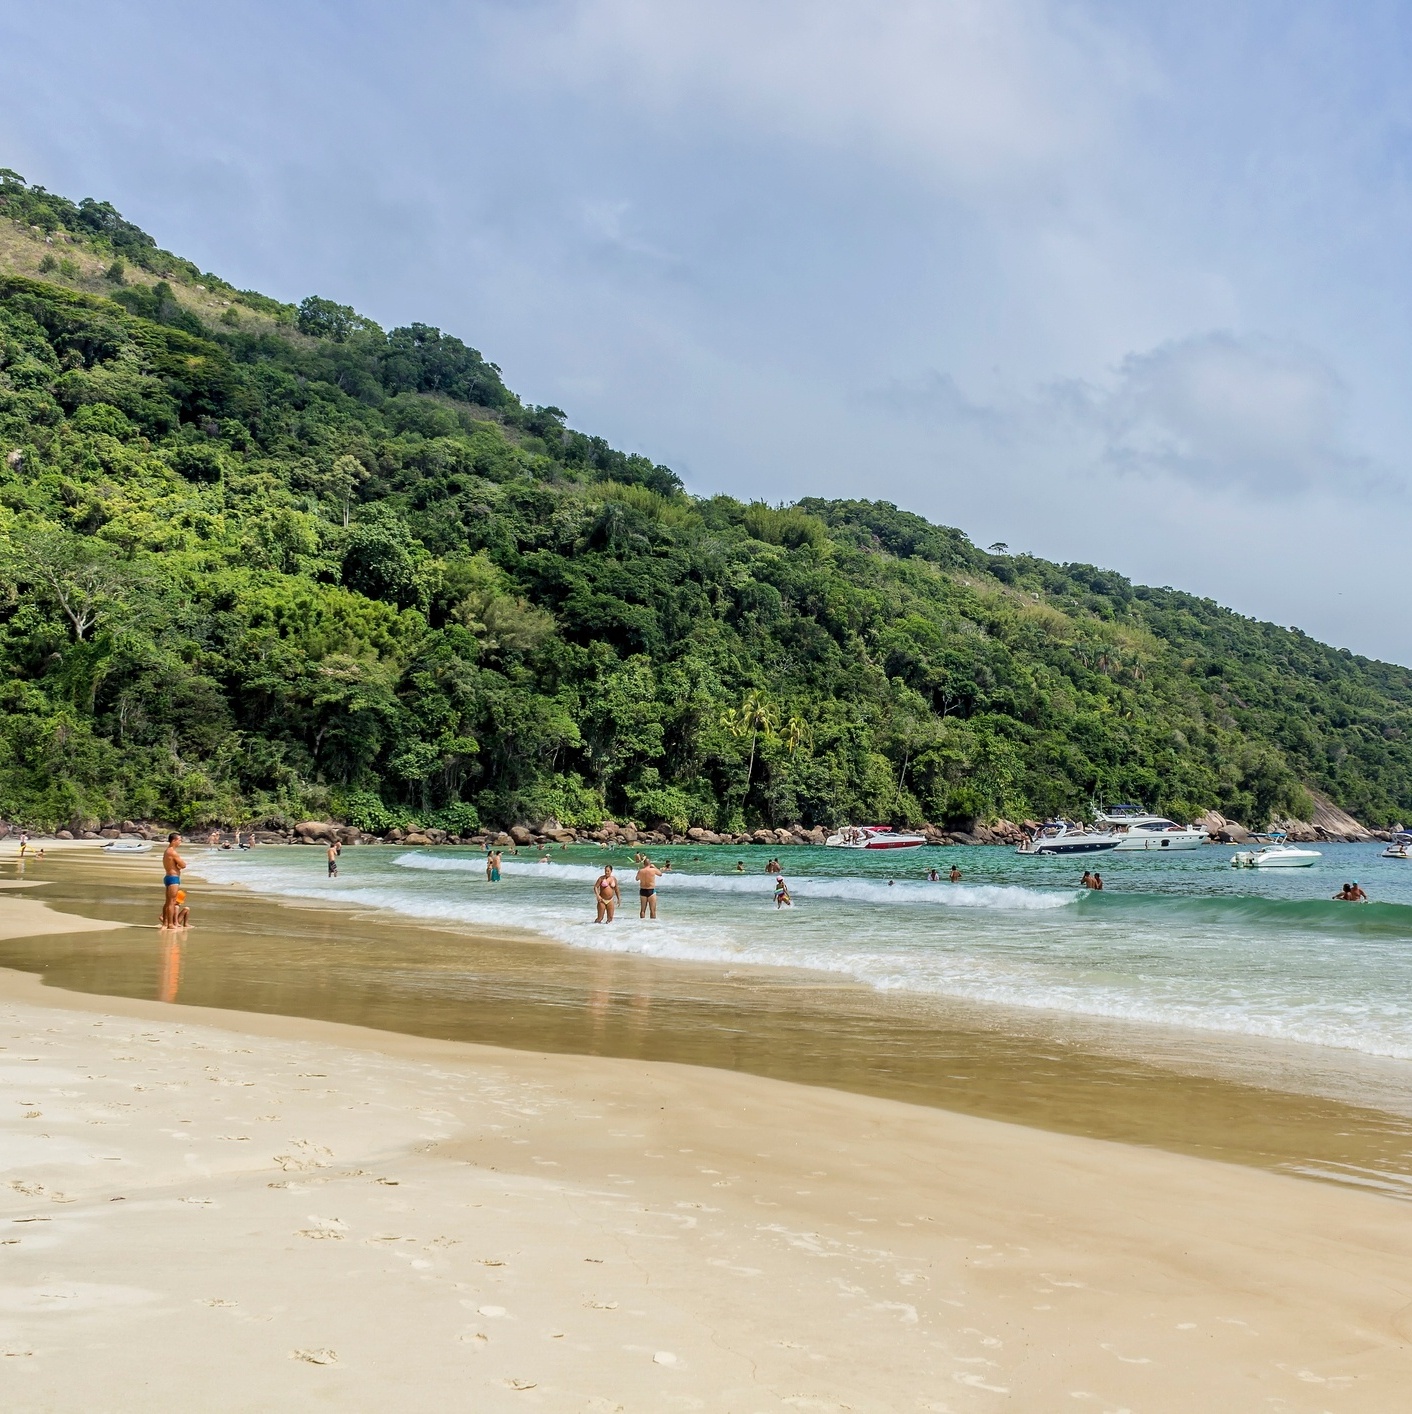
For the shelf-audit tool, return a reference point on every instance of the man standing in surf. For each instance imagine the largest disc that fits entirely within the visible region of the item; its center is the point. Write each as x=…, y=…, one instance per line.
x=647, y=878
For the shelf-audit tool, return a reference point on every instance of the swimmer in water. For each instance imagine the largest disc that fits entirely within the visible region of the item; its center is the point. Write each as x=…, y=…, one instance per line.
x=955, y=875
x=740, y=866
x=782, y=898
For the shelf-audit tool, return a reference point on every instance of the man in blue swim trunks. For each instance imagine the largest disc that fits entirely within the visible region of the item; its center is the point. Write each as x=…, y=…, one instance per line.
x=172, y=865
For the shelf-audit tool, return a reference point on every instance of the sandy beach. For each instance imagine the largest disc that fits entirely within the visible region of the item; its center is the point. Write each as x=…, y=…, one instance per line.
x=225, y=1211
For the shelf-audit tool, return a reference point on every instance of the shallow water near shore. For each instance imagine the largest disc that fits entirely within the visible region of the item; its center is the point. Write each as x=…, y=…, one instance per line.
x=1181, y=941
x=724, y=981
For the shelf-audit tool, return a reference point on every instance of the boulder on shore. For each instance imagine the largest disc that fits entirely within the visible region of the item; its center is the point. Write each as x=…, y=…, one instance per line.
x=521, y=834
x=316, y=832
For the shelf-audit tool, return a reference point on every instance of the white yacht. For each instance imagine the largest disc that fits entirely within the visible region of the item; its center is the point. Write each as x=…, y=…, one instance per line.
x=1148, y=832
x=873, y=837
x=1063, y=837
x=1400, y=845
x=1278, y=854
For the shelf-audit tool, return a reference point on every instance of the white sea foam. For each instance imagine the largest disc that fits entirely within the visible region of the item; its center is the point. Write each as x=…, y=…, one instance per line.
x=999, y=943
x=801, y=886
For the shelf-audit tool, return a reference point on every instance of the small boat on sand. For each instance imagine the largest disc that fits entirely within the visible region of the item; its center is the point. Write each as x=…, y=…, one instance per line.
x=872, y=837
x=127, y=846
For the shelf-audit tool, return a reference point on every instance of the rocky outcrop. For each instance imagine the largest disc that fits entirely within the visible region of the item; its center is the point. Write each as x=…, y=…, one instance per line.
x=1332, y=823
x=1218, y=828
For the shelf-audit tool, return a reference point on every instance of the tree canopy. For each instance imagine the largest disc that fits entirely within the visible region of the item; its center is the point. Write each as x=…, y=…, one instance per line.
x=333, y=569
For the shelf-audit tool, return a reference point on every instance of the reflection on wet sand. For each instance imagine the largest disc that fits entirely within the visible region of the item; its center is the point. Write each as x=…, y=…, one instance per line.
x=256, y=955
x=170, y=981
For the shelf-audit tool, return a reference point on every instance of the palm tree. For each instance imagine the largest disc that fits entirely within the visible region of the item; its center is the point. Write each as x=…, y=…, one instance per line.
x=754, y=715
x=797, y=733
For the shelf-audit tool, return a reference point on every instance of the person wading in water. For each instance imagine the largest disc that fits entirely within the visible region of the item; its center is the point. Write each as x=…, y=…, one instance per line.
x=647, y=878
x=606, y=895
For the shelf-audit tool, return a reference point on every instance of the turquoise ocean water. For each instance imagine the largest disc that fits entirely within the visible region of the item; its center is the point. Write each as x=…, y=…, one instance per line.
x=1180, y=941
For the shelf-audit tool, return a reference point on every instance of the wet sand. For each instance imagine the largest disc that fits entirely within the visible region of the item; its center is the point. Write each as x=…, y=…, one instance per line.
x=1263, y=1105
x=212, y=1209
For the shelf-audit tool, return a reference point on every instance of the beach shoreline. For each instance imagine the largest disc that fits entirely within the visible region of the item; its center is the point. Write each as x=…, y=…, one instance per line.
x=1262, y=1104
x=227, y=1210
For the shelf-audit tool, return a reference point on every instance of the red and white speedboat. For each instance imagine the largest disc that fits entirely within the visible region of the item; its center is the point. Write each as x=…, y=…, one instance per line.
x=873, y=837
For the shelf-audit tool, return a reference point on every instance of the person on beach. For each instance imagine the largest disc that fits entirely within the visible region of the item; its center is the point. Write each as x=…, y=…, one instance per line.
x=24, y=843
x=214, y=839
x=606, y=894
x=647, y=878
x=492, y=866
x=954, y=875
x=182, y=918
x=782, y=898
x=172, y=865
x=333, y=852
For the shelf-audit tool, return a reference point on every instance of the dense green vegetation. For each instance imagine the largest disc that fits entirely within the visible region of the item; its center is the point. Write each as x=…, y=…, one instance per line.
x=329, y=569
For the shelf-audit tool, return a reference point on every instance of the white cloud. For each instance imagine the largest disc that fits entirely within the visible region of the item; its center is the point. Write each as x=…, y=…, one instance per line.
x=978, y=89
x=1249, y=415
x=1217, y=409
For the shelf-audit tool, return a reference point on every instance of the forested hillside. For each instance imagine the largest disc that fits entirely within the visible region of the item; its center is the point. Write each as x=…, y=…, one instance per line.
x=260, y=562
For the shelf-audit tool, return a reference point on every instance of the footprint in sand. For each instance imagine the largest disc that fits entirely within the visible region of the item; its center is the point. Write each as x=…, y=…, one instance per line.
x=334, y=1228
x=315, y=1357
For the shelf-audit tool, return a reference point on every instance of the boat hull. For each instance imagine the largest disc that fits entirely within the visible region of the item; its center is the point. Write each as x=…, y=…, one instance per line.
x=1071, y=847
x=910, y=843
x=1302, y=860
x=1165, y=844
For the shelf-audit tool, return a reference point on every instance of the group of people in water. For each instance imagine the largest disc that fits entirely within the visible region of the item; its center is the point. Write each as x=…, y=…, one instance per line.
x=608, y=894
x=607, y=891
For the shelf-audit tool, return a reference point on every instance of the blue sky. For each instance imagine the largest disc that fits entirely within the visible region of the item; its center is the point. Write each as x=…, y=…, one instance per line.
x=1124, y=283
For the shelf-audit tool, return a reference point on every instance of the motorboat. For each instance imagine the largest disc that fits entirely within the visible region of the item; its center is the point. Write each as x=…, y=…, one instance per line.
x=873, y=837
x=1399, y=846
x=1064, y=837
x=1150, y=833
x=129, y=846
x=1277, y=854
